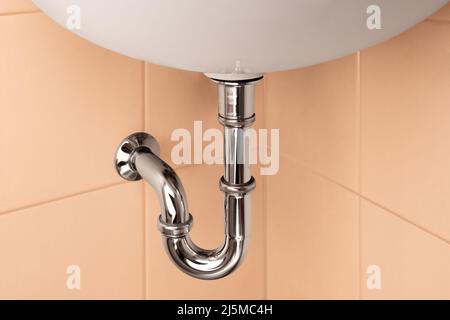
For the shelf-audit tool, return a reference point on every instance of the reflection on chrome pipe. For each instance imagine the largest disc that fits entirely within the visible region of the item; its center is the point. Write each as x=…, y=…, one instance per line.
x=166, y=183
x=237, y=168
x=138, y=157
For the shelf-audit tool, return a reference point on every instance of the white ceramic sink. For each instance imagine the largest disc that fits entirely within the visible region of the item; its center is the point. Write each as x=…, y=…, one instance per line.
x=248, y=36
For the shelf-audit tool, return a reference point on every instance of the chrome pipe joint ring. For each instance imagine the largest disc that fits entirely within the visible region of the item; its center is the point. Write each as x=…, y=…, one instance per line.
x=178, y=230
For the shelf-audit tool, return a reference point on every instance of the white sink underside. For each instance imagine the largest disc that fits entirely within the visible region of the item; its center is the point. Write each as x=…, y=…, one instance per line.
x=256, y=36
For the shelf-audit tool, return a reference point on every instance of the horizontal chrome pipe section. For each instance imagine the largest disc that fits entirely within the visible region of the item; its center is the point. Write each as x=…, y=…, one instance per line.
x=138, y=158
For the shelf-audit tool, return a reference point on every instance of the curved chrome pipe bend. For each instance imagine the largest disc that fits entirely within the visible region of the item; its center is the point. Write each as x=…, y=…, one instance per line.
x=138, y=157
x=217, y=263
x=175, y=222
x=206, y=264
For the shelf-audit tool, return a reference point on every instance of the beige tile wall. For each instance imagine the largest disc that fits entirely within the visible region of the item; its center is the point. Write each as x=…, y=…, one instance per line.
x=317, y=112
x=64, y=105
x=312, y=236
x=363, y=171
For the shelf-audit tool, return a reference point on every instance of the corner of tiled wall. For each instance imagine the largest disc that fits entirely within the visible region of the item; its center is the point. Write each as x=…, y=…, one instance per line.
x=365, y=157
x=405, y=180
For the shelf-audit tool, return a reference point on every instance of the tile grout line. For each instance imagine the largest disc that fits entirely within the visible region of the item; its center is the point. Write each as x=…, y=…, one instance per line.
x=264, y=204
x=144, y=200
x=373, y=202
x=144, y=238
x=265, y=241
x=423, y=229
x=359, y=133
x=144, y=96
x=69, y=196
x=17, y=13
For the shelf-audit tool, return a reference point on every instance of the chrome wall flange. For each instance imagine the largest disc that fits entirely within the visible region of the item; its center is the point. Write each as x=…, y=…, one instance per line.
x=138, y=157
x=124, y=160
